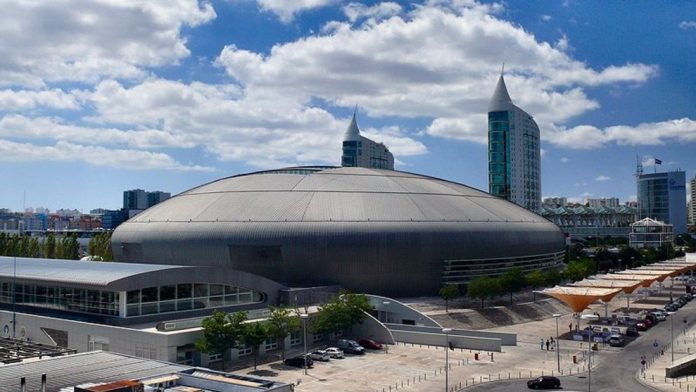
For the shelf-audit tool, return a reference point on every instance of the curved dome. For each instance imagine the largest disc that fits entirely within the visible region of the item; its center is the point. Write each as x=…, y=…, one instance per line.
x=366, y=229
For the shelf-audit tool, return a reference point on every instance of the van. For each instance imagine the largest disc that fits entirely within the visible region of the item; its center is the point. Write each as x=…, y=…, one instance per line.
x=350, y=346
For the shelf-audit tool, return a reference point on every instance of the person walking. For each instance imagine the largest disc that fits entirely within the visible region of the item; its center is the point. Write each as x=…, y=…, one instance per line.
x=542, y=344
x=547, y=344
x=552, y=343
x=570, y=327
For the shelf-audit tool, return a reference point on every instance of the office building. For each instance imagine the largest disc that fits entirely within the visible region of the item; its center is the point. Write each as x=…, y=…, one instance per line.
x=135, y=199
x=592, y=222
x=514, y=151
x=157, y=197
x=368, y=230
x=555, y=202
x=692, y=202
x=359, y=151
x=662, y=197
x=612, y=202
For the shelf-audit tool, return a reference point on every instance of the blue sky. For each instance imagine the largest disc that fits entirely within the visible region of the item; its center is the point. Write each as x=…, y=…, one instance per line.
x=98, y=97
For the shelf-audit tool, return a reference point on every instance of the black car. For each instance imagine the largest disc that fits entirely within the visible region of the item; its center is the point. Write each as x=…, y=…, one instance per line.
x=299, y=362
x=632, y=331
x=544, y=382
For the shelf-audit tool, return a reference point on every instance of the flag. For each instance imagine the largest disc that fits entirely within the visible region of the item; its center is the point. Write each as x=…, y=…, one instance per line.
x=658, y=162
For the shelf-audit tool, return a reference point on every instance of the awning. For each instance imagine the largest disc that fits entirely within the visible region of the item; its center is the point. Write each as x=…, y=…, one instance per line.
x=661, y=275
x=579, y=298
x=647, y=280
x=627, y=286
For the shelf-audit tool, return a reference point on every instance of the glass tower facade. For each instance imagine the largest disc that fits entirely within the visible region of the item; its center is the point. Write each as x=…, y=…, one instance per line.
x=514, y=152
x=662, y=196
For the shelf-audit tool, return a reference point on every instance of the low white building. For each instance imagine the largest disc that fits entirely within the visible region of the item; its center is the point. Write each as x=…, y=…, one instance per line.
x=650, y=233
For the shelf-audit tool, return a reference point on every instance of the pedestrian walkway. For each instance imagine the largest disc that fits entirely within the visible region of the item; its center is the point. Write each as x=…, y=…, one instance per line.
x=684, y=344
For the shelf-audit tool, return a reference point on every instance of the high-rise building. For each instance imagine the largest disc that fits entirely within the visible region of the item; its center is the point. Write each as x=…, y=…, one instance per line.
x=514, y=152
x=135, y=199
x=692, y=203
x=662, y=197
x=157, y=197
x=359, y=151
x=603, y=202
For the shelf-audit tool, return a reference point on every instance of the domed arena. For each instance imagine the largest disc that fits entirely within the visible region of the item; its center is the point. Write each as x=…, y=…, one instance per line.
x=368, y=230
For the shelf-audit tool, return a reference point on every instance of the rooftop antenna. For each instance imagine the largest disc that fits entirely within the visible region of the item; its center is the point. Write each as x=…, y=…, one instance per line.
x=502, y=70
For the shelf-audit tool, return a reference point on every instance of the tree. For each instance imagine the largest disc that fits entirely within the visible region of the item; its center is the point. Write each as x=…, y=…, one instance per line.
x=579, y=269
x=341, y=313
x=448, y=292
x=253, y=334
x=281, y=323
x=552, y=276
x=71, y=248
x=483, y=287
x=221, y=331
x=535, y=279
x=512, y=281
x=100, y=245
x=50, y=247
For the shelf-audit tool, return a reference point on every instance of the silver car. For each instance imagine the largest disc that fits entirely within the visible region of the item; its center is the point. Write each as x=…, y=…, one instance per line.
x=319, y=355
x=334, y=352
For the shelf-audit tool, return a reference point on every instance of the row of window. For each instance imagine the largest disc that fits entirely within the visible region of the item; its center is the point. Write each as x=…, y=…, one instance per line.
x=62, y=298
x=188, y=296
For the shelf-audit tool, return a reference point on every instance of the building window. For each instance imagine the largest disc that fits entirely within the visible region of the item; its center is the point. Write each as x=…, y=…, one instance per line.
x=270, y=344
x=296, y=338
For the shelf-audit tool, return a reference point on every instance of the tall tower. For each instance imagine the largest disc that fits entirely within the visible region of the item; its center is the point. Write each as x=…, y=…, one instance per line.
x=514, y=151
x=359, y=151
x=692, y=203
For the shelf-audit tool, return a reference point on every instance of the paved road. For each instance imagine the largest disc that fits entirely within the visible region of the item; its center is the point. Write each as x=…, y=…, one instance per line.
x=617, y=370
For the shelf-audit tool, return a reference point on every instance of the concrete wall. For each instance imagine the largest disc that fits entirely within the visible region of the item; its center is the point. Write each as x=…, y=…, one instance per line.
x=682, y=367
x=373, y=329
x=145, y=343
x=506, y=339
x=439, y=339
x=392, y=311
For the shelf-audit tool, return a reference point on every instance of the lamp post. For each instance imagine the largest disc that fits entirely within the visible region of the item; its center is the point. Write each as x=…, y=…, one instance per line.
x=589, y=318
x=446, y=331
x=558, y=345
x=304, y=329
x=672, y=344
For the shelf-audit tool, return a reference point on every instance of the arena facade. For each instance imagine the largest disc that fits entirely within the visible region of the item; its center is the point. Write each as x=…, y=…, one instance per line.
x=368, y=230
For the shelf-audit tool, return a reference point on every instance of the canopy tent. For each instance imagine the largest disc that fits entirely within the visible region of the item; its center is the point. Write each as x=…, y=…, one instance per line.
x=627, y=286
x=660, y=275
x=579, y=298
x=646, y=280
x=675, y=270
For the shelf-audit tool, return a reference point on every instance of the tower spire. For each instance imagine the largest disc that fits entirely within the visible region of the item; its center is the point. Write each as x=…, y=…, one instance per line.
x=353, y=132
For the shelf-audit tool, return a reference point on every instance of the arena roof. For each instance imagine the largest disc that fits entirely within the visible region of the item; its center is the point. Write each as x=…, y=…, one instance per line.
x=335, y=194
x=123, y=276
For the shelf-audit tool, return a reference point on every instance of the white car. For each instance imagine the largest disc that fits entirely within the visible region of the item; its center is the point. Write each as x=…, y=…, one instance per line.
x=334, y=352
x=319, y=355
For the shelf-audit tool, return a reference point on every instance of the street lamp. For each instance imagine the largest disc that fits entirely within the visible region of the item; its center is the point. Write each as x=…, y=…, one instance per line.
x=446, y=331
x=304, y=329
x=558, y=346
x=589, y=317
x=672, y=344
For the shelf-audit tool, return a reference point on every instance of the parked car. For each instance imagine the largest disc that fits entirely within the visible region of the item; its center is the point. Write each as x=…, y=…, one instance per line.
x=632, y=331
x=616, y=341
x=319, y=355
x=334, y=352
x=350, y=346
x=672, y=307
x=544, y=382
x=661, y=316
x=371, y=344
x=641, y=326
x=299, y=361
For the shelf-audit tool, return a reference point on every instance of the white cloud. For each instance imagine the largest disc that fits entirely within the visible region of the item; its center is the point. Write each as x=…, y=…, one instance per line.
x=587, y=137
x=286, y=10
x=398, y=142
x=564, y=160
x=602, y=178
x=355, y=11
x=438, y=61
x=687, y=24
x=61, y=40
x=100, y=156
x=546, y=18
x=20, y=100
